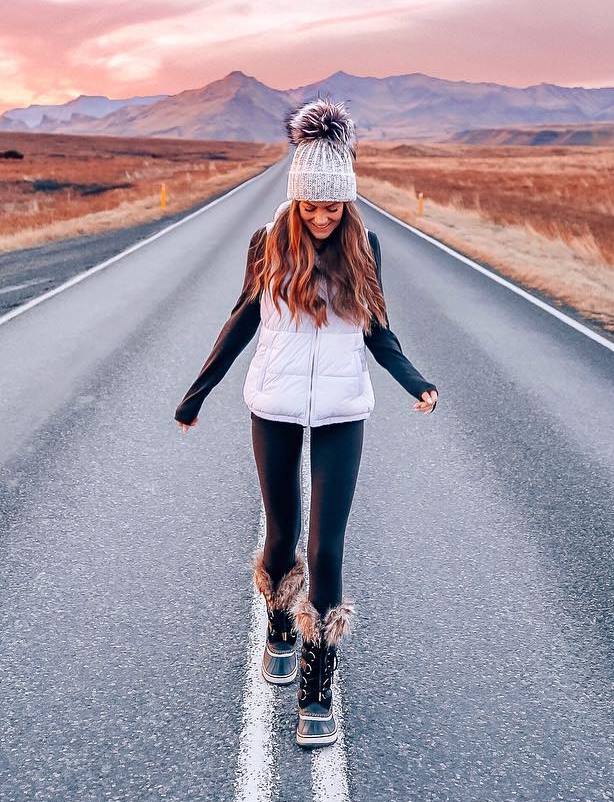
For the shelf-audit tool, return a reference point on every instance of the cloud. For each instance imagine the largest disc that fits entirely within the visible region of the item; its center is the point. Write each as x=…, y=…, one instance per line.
x=164, y=46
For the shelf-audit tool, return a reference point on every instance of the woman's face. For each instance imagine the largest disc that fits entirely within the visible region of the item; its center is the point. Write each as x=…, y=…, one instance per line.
x=321, y=217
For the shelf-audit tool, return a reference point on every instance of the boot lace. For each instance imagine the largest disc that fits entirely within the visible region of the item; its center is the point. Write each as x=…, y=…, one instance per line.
x=281, y=626
x=318, y=664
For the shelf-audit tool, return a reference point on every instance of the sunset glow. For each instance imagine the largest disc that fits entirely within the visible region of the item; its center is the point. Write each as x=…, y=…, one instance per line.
x=53, y=50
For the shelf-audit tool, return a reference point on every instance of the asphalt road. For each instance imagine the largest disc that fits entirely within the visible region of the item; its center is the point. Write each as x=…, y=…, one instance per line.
x=28, y=273
x=479, y=548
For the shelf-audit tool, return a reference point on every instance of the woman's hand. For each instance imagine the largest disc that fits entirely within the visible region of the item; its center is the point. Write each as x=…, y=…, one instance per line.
x=186, y=426
x=428, y=405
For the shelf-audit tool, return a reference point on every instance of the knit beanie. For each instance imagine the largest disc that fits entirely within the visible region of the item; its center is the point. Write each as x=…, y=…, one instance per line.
x=322, y=167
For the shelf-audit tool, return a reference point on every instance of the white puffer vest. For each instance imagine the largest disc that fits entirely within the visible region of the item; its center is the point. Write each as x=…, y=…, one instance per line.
x=305, y=374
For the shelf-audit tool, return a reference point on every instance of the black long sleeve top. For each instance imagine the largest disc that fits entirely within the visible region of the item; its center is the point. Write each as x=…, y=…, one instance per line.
x=244, y=320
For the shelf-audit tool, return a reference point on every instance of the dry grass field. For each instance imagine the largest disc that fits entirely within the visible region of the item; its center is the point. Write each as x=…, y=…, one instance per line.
x=544, y=216
x=66, y=186
x=541, y=215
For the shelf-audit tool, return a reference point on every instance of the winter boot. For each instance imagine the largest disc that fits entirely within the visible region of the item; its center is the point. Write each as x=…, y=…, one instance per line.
x=321, y=638
x=279, y=662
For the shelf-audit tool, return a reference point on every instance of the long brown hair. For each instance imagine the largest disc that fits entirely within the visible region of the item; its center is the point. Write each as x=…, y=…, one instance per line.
x=346, y=263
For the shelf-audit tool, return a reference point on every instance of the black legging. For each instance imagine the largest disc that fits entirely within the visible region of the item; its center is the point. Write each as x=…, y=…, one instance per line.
x=335, y=454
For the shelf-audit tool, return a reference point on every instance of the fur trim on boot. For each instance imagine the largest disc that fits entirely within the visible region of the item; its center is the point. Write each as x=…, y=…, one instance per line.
x=337, y=622
x=334, y=626
x=288, y=587
x=306, y=619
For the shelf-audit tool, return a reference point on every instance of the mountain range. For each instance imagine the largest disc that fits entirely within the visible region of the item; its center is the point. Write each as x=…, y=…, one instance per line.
x=240, y=107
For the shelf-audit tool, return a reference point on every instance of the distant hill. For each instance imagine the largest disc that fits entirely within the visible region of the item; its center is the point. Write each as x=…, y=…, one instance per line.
x=239, y=107
x=594, y=134
x=236, y=107
x=84, y=107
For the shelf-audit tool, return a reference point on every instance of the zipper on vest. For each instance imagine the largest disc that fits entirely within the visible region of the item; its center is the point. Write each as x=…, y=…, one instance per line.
x=313, y=359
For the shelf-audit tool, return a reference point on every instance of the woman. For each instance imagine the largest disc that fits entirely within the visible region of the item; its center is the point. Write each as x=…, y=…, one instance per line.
x=313, y=282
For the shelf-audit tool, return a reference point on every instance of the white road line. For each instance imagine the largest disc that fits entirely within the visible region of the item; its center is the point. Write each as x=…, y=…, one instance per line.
x=329, y=774
x=254, y=773
x=13, y=287
x=329, y=763
x=90, y=271
x=253, y=778
x=509, y=284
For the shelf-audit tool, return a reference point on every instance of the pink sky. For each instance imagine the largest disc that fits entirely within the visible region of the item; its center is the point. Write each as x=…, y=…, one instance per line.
x=54, y=50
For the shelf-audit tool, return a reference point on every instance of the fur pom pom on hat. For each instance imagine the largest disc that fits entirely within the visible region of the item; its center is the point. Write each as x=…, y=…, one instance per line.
x=322, y=167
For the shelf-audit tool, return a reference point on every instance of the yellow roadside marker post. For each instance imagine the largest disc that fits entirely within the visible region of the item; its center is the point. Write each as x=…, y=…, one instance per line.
x=163, y=196
x=420, y=204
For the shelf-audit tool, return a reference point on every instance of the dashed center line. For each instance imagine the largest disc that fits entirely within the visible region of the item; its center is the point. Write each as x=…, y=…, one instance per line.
x=257, y=742
x=253, y=779
x=329, y=773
